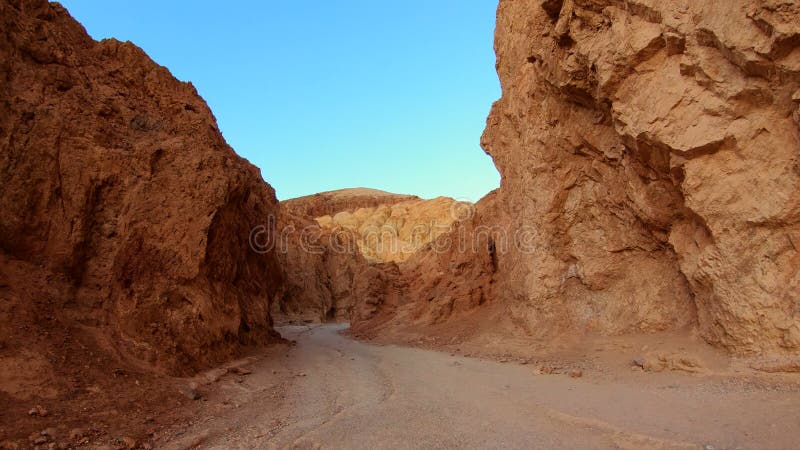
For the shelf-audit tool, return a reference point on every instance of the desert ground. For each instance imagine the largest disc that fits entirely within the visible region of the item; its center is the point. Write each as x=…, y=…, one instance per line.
x=327, y=390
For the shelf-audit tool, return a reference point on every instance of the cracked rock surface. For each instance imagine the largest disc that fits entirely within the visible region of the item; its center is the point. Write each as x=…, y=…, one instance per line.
x=653, y=148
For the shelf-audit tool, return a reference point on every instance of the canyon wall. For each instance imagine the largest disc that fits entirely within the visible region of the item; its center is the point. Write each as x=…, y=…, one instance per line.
x=331, y=202
x=329, y=274
x=394, y=232
x=118, y=190
x=650, y=152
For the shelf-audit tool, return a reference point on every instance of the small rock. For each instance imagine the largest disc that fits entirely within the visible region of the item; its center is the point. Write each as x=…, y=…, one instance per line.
x=129, y=442
x=575, y=373
x=213, y=376
x=76, y=434
x=241, y=371
x=639, y=362
x=190, y=391
x=38, y=411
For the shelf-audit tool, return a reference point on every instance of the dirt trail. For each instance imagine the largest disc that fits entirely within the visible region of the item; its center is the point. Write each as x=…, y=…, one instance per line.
x=330, y=391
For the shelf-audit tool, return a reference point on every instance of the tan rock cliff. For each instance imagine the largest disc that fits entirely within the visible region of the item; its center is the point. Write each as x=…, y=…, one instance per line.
x=651, y=151
x=394, y=232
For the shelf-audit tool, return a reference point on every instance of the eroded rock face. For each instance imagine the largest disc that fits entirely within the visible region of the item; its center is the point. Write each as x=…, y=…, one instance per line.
x=115, y=179
x=327, y=277
x=341, y=252
x=452, y=276
x=394, y=232
x=653, y=148
x=332, y=202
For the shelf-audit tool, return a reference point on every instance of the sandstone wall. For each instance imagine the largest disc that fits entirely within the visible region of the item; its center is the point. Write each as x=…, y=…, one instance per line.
x=332, y=202
x=653, y=148
x=326, y=275
x=115, y=177
x=395, y=232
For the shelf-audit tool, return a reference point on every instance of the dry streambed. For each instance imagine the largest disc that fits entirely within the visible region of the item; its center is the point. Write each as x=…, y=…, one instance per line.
x=331, y=391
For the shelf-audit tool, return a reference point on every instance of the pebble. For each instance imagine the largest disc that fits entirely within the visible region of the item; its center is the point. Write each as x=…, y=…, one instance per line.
x=575, y=373
x=242, y=371
x=190, y=391
x=130, y=443
x=38, y=411
x=76, y=434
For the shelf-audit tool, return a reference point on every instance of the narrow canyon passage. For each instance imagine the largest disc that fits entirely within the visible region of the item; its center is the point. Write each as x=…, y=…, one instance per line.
x=341, y=393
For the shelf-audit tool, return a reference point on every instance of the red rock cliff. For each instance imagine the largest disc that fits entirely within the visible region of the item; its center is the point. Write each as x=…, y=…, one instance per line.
x=115, y=179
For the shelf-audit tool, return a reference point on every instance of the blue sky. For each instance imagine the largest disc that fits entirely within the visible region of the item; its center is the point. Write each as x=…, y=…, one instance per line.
x=331, y=94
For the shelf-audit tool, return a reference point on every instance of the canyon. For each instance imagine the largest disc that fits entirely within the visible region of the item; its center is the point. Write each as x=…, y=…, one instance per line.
x=645, y=234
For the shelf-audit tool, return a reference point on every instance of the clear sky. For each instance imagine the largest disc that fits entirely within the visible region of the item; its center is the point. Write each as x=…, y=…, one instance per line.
x=328, y=94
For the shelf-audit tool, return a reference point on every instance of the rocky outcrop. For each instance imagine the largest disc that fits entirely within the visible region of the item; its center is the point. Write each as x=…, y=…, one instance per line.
x=650, y=154
x=394, y=232
x=327, y=276
x=343, y=264
x=116, y=184
x=331, y=202
x=445, y=282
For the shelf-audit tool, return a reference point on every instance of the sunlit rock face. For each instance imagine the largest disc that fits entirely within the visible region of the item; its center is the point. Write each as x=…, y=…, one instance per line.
x=395, y=232
x=652, y=148
x=330, y=272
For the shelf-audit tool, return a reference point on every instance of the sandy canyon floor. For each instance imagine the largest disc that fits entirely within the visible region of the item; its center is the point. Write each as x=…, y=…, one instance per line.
x=327, y=390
